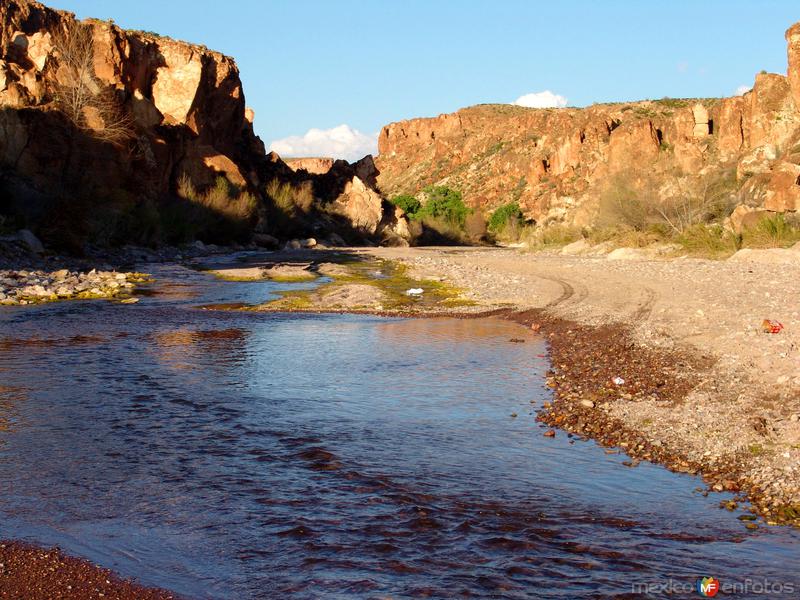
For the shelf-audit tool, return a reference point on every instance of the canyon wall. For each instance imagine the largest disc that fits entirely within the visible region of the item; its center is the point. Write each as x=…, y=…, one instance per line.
x=103, y=129
x=92, y=110
x=557, y=163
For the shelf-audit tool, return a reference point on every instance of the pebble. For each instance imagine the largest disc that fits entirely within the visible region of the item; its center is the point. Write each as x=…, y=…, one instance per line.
x=34, y=287
x=587, y=403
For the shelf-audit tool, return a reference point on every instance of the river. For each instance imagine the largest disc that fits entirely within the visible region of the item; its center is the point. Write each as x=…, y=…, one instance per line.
x=231, y=454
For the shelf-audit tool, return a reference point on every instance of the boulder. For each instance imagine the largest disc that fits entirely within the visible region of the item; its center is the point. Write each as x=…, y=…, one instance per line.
x=576, y=248
x=783, y=189
x=366, y=171
x=30, y=241
x=773, y=256
x=177, y=82
x=360, y=205
x=757, y=160
x=628, y=254
x=265, y=240
x=394, y=227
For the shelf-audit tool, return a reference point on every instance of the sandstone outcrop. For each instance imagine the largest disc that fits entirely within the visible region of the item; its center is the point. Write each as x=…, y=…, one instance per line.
x=558, y=163
x=314, y=166
x=360, y=205
x=101, y=128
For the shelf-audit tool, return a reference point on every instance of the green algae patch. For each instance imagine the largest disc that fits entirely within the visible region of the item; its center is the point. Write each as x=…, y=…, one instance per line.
x=294, y=300
x=372, y=285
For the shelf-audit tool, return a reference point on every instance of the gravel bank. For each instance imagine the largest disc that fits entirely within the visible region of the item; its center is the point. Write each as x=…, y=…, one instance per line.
x=31, y=573
x=36, y=287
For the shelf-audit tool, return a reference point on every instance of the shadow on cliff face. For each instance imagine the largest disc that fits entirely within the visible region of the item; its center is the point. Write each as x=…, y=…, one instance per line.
x=342, y=204
x=102, y=128
x=79, y=189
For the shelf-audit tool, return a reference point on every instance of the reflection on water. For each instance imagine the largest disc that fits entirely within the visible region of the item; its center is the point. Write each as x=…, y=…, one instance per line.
x=246, y=455
x=180, y=348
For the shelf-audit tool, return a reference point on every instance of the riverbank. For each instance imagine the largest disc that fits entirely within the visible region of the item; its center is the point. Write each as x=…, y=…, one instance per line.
x=37, y=574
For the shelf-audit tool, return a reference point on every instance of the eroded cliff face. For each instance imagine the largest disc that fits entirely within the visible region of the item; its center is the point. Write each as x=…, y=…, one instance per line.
x=101, y=128
x=557, y=162
x=97, y=117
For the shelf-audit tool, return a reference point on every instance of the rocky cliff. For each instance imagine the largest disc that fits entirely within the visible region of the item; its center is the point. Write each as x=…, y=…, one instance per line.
x=115, y=136
x=557, y=163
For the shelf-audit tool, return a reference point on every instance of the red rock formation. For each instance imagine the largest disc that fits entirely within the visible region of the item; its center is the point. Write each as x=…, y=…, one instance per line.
x=314, y=166
x=556, y=162
x=173, y=108
x=106, y=122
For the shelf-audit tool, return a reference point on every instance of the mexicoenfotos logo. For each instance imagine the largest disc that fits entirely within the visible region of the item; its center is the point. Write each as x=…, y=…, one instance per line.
x=708, y=587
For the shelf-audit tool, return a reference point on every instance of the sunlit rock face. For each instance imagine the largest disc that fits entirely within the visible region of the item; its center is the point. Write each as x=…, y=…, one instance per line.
x=88, y=107
x=557, y=162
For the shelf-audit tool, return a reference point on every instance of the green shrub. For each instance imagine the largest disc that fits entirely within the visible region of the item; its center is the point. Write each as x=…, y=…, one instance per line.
x=444, y=204
x=408, y=203
x=504, y=217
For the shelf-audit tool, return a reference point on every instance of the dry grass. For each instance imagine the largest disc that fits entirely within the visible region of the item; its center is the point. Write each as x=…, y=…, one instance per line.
x=549, y=236
x=709, y=241
x=224, y=198
x=627, y=237
x=289, y=198
x=778, y=231
x=438, y=230
x=218, y=214
x=87, y=103
x=640, y=205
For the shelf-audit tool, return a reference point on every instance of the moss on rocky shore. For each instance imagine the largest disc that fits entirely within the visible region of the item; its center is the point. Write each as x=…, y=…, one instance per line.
x=374, y=285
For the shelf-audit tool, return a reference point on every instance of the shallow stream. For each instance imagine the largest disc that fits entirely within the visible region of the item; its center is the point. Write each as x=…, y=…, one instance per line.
x=230, y=454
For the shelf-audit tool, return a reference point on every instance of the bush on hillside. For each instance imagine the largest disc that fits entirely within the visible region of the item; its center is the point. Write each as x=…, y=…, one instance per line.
x=507, y=216
x=217, y=215
x=640, y=205
x=408, y=203
x=775, y=231
x=444, y=204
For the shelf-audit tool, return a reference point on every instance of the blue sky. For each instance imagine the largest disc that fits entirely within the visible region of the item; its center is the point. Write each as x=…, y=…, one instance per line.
x=322, y=64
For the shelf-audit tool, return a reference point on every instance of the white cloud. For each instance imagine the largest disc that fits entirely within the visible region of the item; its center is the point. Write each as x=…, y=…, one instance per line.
x=339, y=142
x=545, y=99
x=742, y=90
